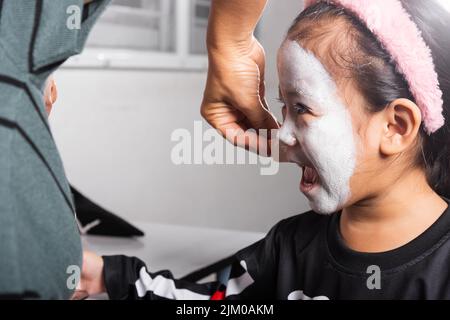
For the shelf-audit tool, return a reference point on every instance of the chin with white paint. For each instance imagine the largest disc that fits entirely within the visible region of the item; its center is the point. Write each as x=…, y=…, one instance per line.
x=317, y=130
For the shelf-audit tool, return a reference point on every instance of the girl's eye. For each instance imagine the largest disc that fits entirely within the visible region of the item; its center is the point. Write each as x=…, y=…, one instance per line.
x=300, y=108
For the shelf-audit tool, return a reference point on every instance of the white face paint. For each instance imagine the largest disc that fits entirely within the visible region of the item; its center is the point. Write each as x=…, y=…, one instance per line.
x=324, y=144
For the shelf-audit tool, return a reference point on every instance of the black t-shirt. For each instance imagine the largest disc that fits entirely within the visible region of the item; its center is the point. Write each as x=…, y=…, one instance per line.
x=302, y=258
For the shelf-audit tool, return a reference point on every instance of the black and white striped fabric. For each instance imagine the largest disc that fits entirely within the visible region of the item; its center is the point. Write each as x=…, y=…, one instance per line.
x=129, y=278
x=303, y=258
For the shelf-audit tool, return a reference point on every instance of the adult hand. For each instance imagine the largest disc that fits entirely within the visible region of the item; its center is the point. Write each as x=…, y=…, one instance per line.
x=234, y=96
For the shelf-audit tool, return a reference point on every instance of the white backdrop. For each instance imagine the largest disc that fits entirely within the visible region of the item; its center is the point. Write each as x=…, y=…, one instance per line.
x=113, y=130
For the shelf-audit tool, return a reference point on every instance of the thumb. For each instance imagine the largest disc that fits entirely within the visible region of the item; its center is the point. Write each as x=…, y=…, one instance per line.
x=259, y=116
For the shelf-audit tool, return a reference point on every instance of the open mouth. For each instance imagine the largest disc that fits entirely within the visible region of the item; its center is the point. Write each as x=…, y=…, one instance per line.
x=310, y=179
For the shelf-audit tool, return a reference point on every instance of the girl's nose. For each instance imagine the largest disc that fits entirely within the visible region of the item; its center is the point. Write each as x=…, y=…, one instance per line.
x=286, y=134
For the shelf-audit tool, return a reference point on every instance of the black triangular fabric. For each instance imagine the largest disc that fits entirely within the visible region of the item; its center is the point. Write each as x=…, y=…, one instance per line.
x=109, y=224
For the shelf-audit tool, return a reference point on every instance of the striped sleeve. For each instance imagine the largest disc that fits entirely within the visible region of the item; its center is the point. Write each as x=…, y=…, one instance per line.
x=252, y=276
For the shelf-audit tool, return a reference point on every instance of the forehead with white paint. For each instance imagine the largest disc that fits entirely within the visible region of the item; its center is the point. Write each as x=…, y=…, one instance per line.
x=302, y=74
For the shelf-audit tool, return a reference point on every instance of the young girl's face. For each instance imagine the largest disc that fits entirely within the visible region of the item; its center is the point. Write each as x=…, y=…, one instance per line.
x=325, y=131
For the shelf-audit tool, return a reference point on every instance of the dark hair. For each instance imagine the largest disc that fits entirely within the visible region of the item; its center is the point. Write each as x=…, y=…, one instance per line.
x=374, y=72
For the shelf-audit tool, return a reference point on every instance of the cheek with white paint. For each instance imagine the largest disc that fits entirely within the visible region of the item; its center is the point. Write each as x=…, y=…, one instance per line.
x=326, y=142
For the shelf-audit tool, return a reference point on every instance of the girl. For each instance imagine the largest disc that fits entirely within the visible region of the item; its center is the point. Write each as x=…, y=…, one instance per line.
x=365, y=87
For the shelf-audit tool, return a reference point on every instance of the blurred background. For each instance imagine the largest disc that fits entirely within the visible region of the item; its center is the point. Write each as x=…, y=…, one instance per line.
x=142, y=77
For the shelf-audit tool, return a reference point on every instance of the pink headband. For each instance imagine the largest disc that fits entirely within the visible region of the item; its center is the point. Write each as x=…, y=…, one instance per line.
x=400, y=36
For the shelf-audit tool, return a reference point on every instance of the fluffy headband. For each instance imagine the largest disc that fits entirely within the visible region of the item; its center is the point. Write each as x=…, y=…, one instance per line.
x=399, y=35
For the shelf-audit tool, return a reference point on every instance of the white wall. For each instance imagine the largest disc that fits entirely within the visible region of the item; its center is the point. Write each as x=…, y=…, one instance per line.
x=113, y=130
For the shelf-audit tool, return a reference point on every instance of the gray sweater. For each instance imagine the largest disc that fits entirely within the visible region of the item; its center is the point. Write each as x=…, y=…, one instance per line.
x=39, y=239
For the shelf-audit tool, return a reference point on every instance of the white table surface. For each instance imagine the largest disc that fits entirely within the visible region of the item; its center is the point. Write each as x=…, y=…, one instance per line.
x=180, y=249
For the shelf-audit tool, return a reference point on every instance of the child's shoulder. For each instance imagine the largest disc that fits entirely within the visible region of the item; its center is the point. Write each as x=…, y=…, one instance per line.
x=306, y=220
x=302, y=227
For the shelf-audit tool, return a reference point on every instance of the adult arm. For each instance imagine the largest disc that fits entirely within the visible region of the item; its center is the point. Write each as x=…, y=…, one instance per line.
x=234, y=95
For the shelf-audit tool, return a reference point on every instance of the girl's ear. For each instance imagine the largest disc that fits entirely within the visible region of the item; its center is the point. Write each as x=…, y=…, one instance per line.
x=401, y=125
